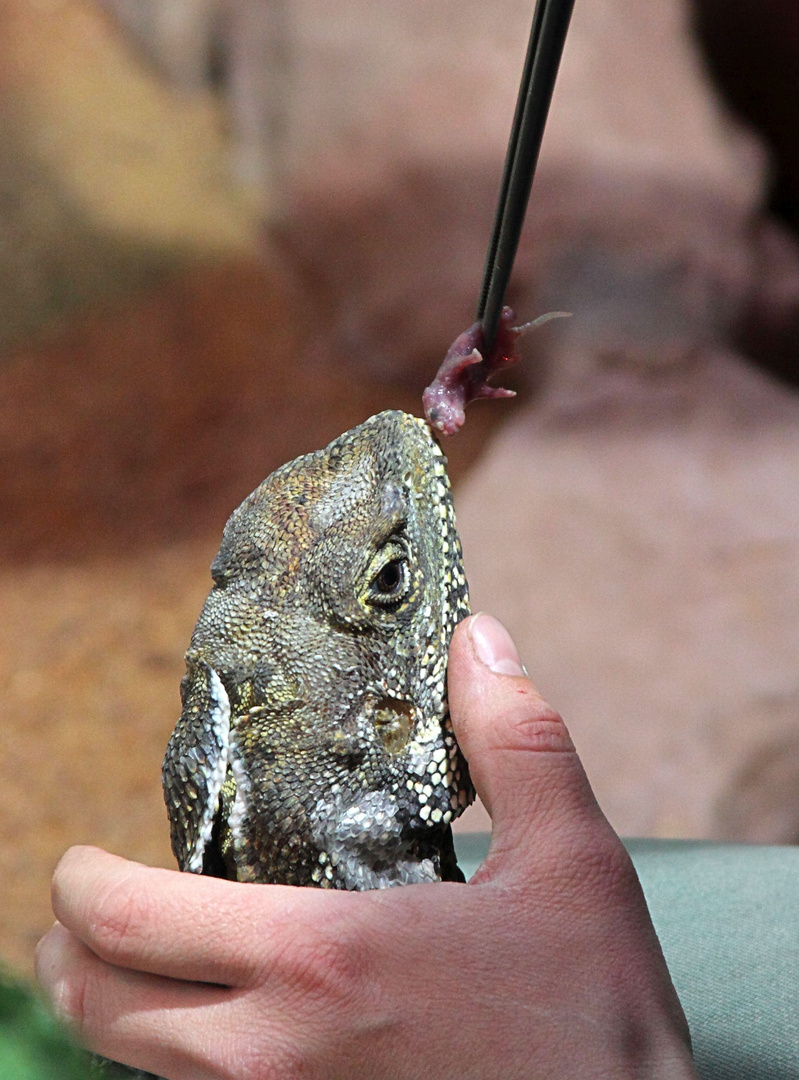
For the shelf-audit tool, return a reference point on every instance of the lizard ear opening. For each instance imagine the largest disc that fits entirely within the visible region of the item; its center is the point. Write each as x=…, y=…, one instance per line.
x=394, y=722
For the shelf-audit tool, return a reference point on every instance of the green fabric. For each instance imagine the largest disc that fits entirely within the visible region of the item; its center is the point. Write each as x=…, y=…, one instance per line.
x=727, y=916
x=728, y=919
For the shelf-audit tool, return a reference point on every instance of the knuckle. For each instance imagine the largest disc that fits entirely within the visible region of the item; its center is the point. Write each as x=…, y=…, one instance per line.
x=597, y=864
x=607, y=861
x=119, y=914
x=282, y=1059
x=79, y=1000
x=323, y=965
x=538, y=727
x=286, y=1063
x=69, y=1001
x=245, y=1063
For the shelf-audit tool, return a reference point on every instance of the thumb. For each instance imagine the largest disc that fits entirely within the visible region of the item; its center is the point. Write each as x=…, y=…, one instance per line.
x=521, y=757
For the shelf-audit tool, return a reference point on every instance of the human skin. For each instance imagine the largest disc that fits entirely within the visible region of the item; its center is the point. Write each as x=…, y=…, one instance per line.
x=545, y=965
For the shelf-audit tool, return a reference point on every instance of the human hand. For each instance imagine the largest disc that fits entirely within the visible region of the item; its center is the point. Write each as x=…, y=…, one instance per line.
x=545, y=965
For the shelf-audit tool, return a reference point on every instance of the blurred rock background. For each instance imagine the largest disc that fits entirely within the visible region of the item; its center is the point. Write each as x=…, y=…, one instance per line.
x=230, y=229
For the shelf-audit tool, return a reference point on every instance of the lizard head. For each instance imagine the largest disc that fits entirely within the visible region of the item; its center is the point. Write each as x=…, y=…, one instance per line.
x=338, y=585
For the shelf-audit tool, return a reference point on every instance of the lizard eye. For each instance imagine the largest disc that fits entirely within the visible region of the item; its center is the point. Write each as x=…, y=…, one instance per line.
x=390, y=577
x=390, y=583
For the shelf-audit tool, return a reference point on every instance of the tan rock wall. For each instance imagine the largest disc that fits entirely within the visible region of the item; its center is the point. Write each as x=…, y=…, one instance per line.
x=642, y=545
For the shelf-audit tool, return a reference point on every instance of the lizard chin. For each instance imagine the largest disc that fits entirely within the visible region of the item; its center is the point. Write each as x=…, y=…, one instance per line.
x=370, y=843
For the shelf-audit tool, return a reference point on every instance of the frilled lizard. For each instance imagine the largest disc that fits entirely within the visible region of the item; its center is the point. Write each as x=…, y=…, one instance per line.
x=315, y=746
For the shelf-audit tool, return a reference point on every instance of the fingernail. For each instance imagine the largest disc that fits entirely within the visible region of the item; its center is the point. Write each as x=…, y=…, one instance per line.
x=494, y=646
x=50, y=959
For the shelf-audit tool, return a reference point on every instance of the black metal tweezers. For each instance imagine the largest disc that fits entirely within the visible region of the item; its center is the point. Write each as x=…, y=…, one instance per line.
x=547, y=36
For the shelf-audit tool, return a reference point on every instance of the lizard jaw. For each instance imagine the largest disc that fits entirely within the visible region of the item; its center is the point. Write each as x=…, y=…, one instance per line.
x=365, y=845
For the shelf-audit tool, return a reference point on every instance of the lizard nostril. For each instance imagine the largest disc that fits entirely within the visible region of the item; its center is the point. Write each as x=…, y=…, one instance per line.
x=393, y=720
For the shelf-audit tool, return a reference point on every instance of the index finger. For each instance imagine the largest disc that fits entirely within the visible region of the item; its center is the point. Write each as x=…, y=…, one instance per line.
x=183, y=926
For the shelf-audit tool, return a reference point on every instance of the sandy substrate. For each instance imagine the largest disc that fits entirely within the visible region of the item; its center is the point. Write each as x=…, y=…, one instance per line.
x=90, y=661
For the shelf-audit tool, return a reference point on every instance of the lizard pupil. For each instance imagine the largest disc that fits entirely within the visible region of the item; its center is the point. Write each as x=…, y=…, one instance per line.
x=390, y=577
